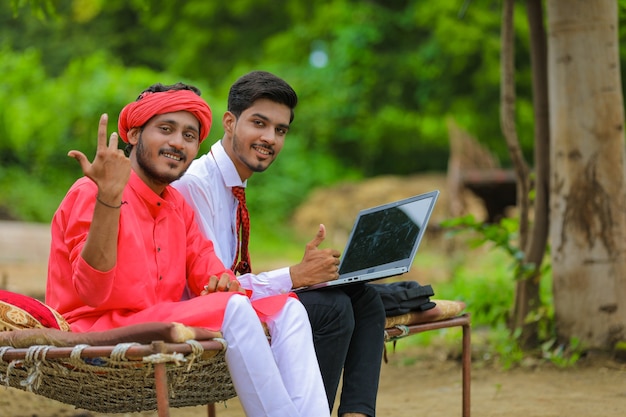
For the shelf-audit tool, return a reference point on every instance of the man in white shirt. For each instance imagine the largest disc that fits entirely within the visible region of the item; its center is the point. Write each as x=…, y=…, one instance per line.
x=347, y=322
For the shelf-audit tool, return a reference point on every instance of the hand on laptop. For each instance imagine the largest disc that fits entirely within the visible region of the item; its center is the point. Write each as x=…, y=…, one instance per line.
x=317, y=265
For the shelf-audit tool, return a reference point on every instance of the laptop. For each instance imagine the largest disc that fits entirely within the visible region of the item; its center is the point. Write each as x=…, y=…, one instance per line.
x=383, y=241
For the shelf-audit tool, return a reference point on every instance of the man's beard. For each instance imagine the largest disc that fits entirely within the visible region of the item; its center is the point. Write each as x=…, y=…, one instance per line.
x=144, y=163
x=253, y=166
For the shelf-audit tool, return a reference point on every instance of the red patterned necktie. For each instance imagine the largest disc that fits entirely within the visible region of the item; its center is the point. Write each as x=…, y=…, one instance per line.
x=243, y=233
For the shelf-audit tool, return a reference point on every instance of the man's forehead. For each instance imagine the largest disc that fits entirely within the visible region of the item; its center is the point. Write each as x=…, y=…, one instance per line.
x=270, y=110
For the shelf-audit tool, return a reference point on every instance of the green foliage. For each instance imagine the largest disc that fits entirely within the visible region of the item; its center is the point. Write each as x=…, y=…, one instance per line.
x=45, y=117
x=503, y=347
x=402, y=69
x=562, y=355
x=392, y=73
x=490, y=292
x=503, y=235
x=39, y=8
x=27, y=196
x=482, y=278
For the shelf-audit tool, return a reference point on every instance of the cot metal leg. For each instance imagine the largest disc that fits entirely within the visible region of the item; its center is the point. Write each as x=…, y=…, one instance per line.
x=466, y=366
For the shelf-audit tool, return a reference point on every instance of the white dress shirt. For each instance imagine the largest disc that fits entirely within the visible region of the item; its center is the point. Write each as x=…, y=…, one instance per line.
x=207, y=187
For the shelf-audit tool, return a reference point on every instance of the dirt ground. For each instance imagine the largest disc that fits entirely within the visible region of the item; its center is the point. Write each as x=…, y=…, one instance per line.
x=417, y=381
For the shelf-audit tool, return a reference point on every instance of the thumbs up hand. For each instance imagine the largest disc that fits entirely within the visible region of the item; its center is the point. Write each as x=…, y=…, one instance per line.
x=317, y=265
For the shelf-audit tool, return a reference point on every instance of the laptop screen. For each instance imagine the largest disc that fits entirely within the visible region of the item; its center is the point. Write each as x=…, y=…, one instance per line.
x=387, y=236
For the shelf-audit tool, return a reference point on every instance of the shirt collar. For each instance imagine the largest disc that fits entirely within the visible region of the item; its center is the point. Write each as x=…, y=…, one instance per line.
x=226, y=166
x=146, y=193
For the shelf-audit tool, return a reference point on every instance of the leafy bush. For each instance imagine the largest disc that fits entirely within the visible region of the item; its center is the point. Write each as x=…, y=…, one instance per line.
x=45, y=117
x=490, y=292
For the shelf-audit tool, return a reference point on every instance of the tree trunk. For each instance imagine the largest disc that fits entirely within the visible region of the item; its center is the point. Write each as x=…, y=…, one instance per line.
x=526, y=294
x=588, y=206
x=527, y=290
x=507, y=116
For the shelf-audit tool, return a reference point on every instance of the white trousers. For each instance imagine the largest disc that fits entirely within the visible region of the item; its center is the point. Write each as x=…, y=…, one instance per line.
x=281, y=379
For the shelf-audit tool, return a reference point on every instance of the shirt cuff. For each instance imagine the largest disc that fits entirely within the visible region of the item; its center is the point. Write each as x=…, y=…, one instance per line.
x=268, y=283
x=280, y=280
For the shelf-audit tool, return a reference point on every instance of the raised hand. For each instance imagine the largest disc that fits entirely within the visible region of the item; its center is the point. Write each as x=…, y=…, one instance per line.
x=317, y=265
x=110, y=169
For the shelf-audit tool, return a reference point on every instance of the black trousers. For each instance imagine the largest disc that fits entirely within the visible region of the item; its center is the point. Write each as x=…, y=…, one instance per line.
x=348, y=324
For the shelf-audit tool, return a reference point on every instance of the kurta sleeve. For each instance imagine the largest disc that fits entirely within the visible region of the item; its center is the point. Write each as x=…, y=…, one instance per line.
x=70, y=228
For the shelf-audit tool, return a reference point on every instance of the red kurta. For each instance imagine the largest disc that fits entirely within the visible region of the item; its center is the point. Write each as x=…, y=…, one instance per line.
x=160, y=250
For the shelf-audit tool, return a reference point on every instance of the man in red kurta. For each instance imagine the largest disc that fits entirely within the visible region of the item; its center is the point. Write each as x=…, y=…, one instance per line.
x=125, y=245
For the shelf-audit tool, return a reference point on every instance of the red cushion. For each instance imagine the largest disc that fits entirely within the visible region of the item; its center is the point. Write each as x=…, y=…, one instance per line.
x=19, y=311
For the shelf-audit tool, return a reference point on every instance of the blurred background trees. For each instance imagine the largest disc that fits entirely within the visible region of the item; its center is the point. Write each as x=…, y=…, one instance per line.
x=377, y=81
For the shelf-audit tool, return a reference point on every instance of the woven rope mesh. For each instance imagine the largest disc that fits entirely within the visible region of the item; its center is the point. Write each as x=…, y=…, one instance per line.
x=107, y=386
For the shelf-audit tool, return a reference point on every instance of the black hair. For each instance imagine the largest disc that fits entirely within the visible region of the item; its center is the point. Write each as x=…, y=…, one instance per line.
x=160, y=88
x=257, y=85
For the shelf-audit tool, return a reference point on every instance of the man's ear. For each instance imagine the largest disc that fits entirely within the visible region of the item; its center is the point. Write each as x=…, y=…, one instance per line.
x=228, y=122
x=133, y=135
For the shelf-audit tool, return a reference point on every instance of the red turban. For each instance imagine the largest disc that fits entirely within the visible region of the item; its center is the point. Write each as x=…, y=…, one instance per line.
x=137, y=113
